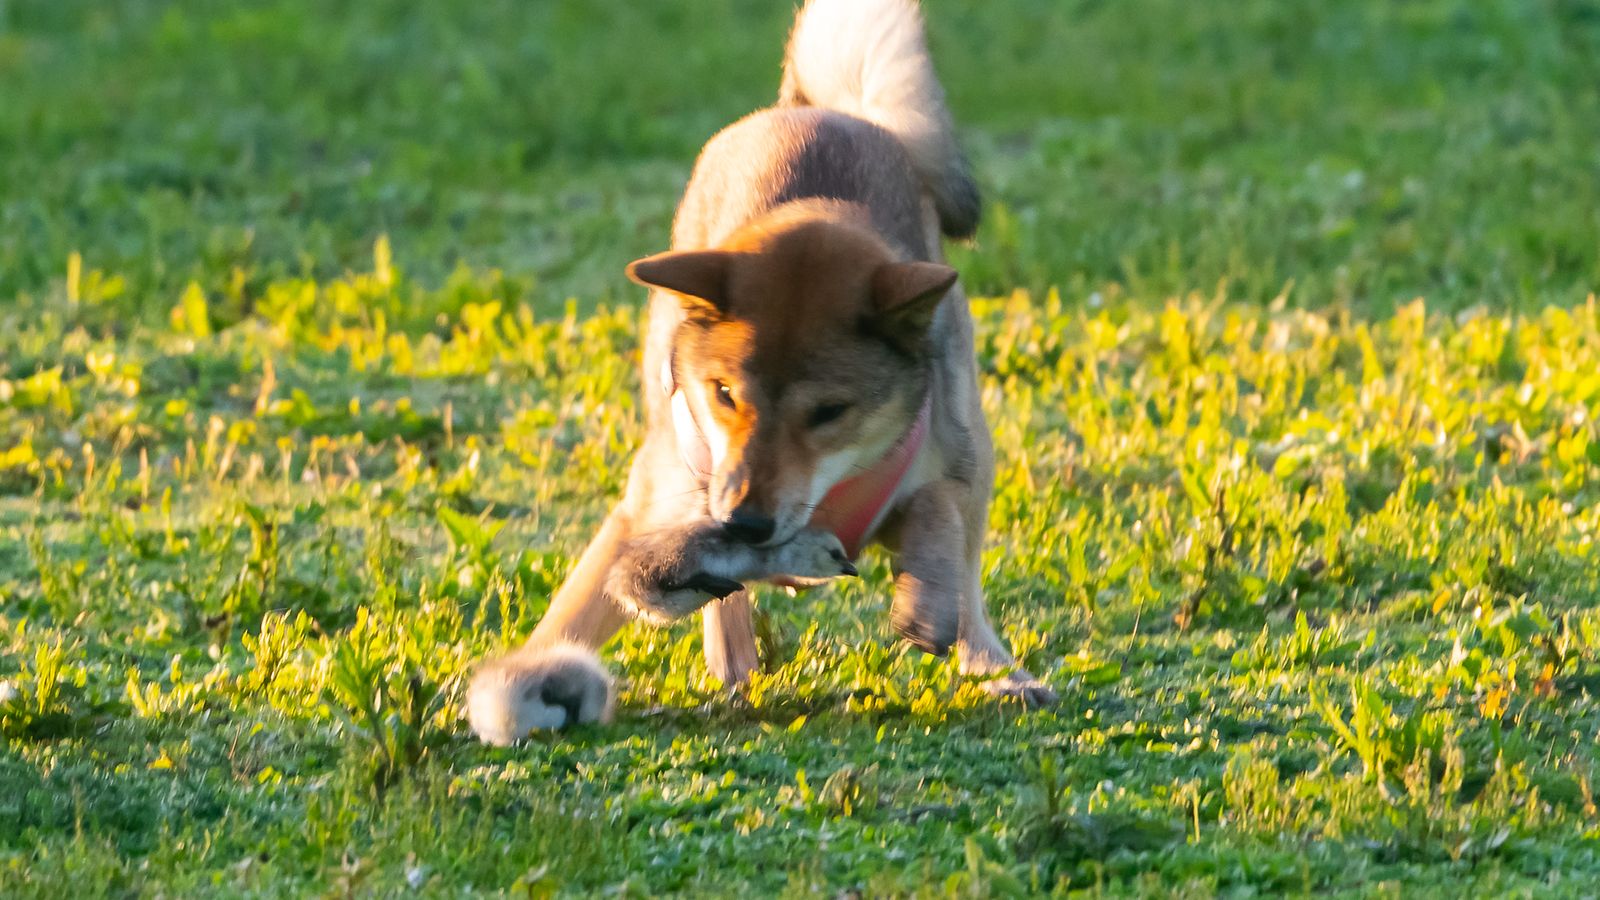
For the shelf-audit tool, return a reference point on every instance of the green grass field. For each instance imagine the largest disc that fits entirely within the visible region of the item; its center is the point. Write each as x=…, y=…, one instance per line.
x=317, y=369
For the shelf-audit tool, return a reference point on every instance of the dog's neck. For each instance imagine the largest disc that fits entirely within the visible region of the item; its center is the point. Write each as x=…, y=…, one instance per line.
x=853, y=508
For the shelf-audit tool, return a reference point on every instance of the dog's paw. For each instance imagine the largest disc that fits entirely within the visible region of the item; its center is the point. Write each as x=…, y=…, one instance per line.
x=539, y=688
x=925, y=614
x=1018, y=685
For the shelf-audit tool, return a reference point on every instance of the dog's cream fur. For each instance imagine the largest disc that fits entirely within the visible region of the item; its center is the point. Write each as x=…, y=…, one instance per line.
x=558, y=685
x=805, y=316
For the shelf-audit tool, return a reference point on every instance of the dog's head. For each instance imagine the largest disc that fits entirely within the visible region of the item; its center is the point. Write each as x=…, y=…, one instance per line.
x=803, y=356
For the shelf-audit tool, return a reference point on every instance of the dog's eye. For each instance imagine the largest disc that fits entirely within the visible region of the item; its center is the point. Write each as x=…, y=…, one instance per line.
x=724, y=394
x=826, y=413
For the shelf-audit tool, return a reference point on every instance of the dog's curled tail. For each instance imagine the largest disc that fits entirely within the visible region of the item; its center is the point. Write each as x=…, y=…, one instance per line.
x=869, y=58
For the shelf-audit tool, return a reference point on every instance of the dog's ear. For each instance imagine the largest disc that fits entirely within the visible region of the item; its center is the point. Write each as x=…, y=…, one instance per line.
x=699, y=275
x=905, y=294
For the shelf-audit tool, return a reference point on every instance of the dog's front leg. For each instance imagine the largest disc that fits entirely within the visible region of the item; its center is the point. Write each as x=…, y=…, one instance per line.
x=729, y=639
x=938, y=596
x=556, y=679
x=930, y=568
x=982, y=652
x=580, y=612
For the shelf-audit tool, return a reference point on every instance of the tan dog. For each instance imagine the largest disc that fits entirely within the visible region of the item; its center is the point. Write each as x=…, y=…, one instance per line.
x=808, y=366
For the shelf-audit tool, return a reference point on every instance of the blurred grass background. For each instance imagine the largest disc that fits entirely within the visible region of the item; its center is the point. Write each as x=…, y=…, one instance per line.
x=1368, y=153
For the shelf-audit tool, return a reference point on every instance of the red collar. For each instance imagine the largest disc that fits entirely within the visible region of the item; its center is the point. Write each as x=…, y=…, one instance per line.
x=852, y=509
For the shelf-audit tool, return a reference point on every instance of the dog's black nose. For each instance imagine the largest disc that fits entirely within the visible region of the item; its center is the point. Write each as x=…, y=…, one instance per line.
x=748, y=526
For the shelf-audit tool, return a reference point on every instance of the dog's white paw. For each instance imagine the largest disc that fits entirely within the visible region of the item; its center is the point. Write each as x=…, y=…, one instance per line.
x=1020, y=686
x=538, y=688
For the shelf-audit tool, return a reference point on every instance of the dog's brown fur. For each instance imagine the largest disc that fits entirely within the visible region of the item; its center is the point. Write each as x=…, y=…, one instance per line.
x=805, y=312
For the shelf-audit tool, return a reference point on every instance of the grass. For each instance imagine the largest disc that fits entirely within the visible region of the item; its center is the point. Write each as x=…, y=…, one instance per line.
x=317, y=369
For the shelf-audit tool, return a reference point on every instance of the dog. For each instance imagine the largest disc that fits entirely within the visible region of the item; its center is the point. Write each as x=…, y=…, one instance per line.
x=808, y=368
